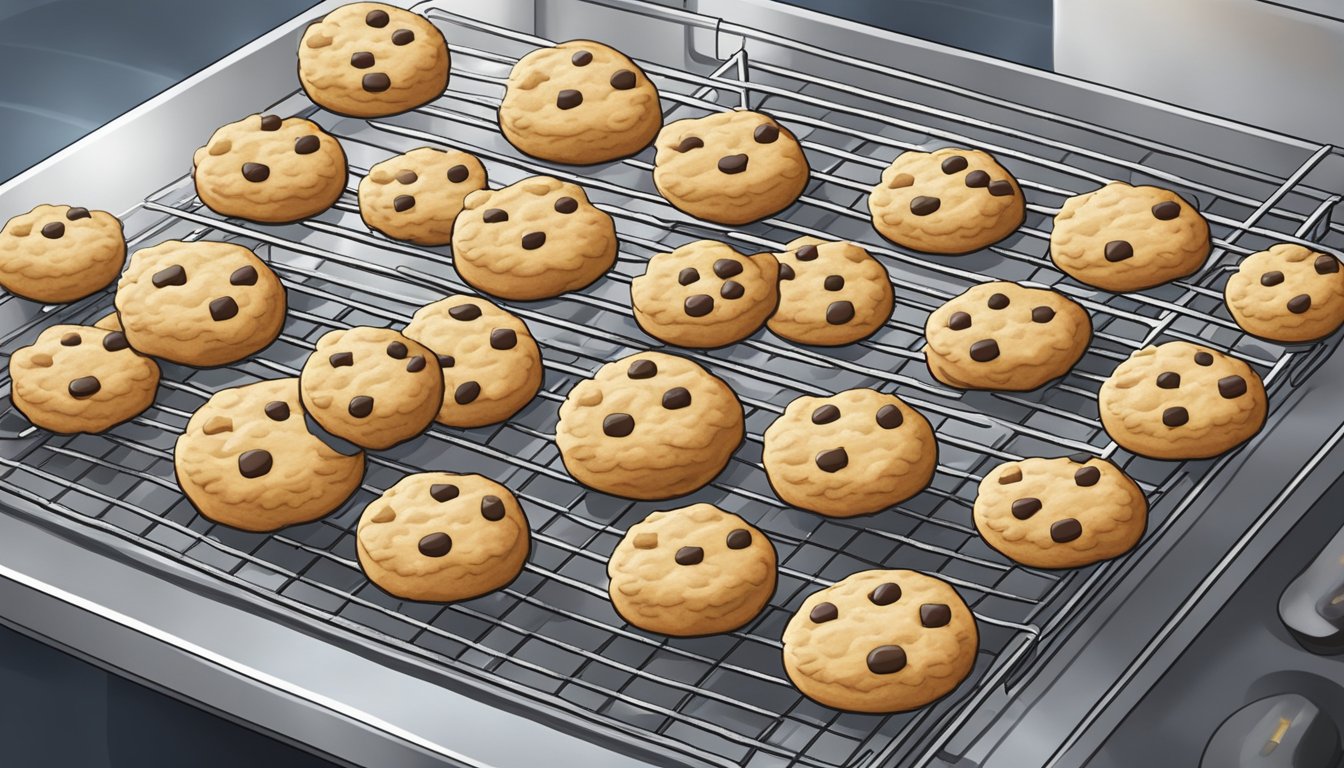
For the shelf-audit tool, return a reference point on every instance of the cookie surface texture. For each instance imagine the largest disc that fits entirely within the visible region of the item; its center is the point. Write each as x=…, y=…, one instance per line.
x=705, y=294
x=57, y=253
x=77, y=378
x=1288, y=293
x=417, y=195
x=830, y=293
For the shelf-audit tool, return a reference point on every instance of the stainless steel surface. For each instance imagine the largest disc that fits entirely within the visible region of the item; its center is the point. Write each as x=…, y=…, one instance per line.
x=550, y=646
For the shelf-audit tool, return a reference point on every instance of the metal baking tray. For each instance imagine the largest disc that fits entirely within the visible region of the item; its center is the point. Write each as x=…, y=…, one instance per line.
x=550, y=645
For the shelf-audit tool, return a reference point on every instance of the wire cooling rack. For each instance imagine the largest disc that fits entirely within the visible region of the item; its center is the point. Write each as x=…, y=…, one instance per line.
x=552, y=640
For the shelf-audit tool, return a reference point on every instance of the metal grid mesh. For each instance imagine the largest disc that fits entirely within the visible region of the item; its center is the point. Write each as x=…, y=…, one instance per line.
x=552, y=636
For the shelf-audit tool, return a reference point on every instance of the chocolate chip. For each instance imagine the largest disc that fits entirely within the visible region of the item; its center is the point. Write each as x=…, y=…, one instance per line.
x=765, y=134
x=70, y=340
x=1299, y=304
x=786, y=272
x=998, y=301
x=839, y=312
x=1203, y=358
x=1042, y=315
x=403, y=203
x=568, y=99
x=733, y=163
x=688, y=275
x=85, y=386
x=75, y=214
x=464, y=312
x=447, y=361
x=223, y=308
x=256, y=172
x=689, y=143
x=403, y=37
x=885, y=593
x=1231, y=387
x=254, y=463
x=1025, y=508
x=436, y=544
x=494, y=216
x=503, y=338
x=360, y=406
x=676, y=398
x=457, y=174
x=115, y=342
x=1271, y=278
x=1175, y=416
x=466, y=393
x=377, y=19
x=825, y=414
x=415, y=364
x=397, y=351
x=1118, y=250
x=533, y=240
x=377, y=82
x=954, y=164
x=886, y=659
x=1087, y=477
x=492, y=508
x=732, y=290
x=1166, y=210
x=442, y=492
x=934, y=615
x=1325, y=264
x=307, y=145
x=581, y=58
x=832, y=460
x=699, y=305
x=1066, y=530
x=739, y=538
x=566, y=205
x=407, y=177
x=984, y=350
x=834, y=283
x=341, y=359
x=277, y=410
x=618, y=425
x=889, y=417
x=823, y=612
x=727, y=268
x=923, y=206
x=1001, y=188
x=361, y=60
x=977, y=179
x=623, y=80
x=270, y=123
x=54, y=230
x=1169, y=380
x=690, y=556
x=959, y=321
x=174, y=275
x=642, y=369
x=244, y=276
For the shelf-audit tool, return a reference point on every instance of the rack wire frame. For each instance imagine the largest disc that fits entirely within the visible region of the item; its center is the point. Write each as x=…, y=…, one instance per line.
x=551, y=638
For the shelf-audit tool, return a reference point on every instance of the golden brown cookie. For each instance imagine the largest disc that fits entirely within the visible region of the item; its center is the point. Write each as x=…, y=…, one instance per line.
x=77, y=378
x=705, y=294
x=57, y=254
x=830, y=293
x=1287, y=293
x=416, y=196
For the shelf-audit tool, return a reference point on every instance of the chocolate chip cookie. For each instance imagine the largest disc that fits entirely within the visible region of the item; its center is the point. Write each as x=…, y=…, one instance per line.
x=579, y=102
x=730, y=167
x=1125, y=238
x=200, y=303
x=705, y=294
x=1060, y=513
x=948, y=201
x=372, y=60
x=1182, y=401
x=531, y=240
x=416, y=196
x=371, y=386
x=443, y=537
x=691, y=571
x=491, y=364
x=853, y=453
x=649, y=426
x=57, y=253
x=1005, y=336
x=830, y=293
x=77, y=378
x=247, y=460
x=272, y=170
x=881, y=641
x=1287, y=293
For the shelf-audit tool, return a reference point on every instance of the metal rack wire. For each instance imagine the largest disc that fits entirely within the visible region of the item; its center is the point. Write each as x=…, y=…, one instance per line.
x=552, y=638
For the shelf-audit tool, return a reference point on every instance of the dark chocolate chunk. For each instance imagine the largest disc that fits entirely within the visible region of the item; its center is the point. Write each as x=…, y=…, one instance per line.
x=503, y=338
x=1166, y=210
x=376, y=18
x=623, y=80
x=244, y=276
x=642, y=369
x=834, y=282
x=1203, y=358
x=1066, y=530
x=739, y=538
x=492, y=508
x=1087, y=477
x=254, y=463
x=1001, y=188
x=533, y=240
x=886, y=659
x=786, y=272
x=1118, y=250
x=727, y=268
x=954, y=164
x=447, y=361
x=934, y=615
x=403, y=203
x=1325, y=264
x=885, y=593
x=618, y=425
x=77, y=213
x=689, y=143
x=984, y=350
x=733, y=163
x=1042, y=315
x=806, y=253
x=256, y=172
x=341, y=359
x=998, y=301
x=832, y=460
x=924, y=205
x=270, y=123
x=1299, y=304
x=466, y=393
x=277, y=410
x=690, y=556
x=494, y=216
x=458, y=173
x=765, y=134
x=732, y=290
x=688, y=275
x=403, y=37
x=676, y=398
x=223, y=308
x=307, y=145
x=436, y=544
x=174, y=275
x=568, y=99
x=889, y=417
x=823, y=612
x=361, y=60
x=397, y=351
x=959, y=321
x=85, y=386
x=581, y=58
x=416, y=364
x=1025, y=508
x=566, y=205
x=361, y=406
x=442, y=492
x=70, y=340
x=825, y=414
x=1231, y=387
x=464, y=312
x=115, y=342
x=839, y=312
x=977, y=179
x=376, y=82
x=1175, y=416
x=1169, y=380
x=699, y=305
x=1271, y=278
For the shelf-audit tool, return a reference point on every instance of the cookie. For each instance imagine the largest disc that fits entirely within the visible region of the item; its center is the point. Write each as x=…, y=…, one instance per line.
x=853, y=453
x=266, y=169
x=579, y=102
x=416, y=196
x=373, y=60
x=649, y=426
x=1182, y=401
x=881, y=641
x=730, y=167
x=830, y=293
x=705, y=294
x=77, y=378
x=531, y=240
x=692, y=571
x=491, y=364
x=949, y=201
x=1124, y=238
x=200, y=303
x=57, y=254
x=1060, y=513
x=1005, y=336
x=443, y=537
x=248, y=460
x=371, y=386
x=1288, y=293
